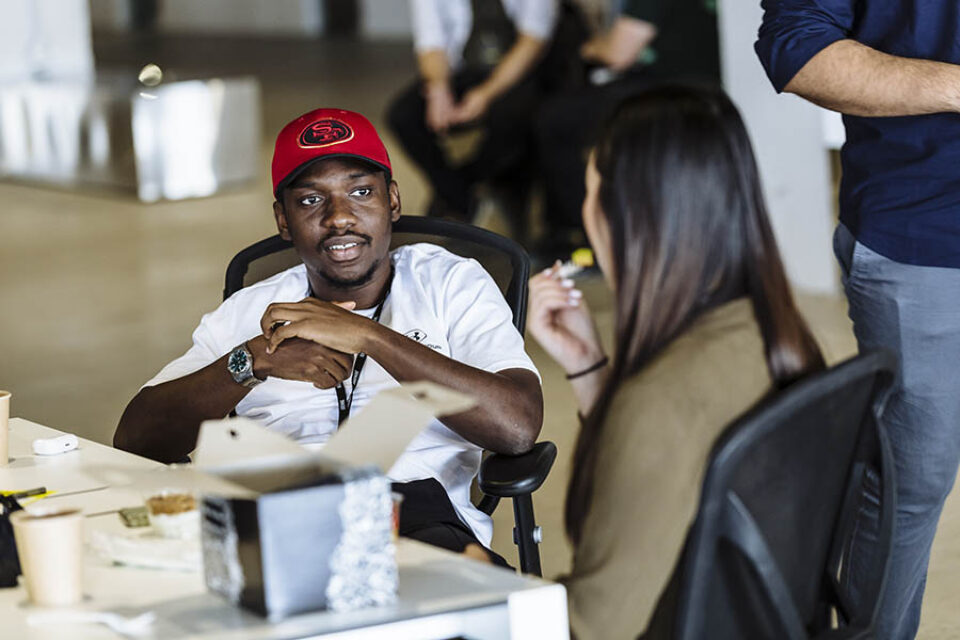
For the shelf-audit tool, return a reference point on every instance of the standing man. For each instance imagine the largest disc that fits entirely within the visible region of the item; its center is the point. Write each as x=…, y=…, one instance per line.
x=892, y=69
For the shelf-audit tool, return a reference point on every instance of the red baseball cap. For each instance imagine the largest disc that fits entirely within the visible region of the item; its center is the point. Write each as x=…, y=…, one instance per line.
x=325, y=133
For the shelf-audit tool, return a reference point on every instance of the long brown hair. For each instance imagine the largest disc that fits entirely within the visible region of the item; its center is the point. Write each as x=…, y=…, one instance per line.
x=680, y=191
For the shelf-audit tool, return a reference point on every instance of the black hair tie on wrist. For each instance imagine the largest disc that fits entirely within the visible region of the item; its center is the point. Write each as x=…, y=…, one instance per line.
x=598, y=365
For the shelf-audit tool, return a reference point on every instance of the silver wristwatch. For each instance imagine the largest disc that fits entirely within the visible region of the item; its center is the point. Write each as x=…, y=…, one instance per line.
x=240, y=366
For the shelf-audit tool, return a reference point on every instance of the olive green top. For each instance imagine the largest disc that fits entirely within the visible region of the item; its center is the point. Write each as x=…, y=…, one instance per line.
x=658, y=434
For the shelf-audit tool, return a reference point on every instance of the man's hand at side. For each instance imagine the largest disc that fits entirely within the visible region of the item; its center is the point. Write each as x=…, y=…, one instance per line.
x=441, y=106
x=437, y=91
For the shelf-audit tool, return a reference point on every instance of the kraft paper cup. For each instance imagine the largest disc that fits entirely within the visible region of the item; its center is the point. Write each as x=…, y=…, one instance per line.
x=4, y=427
x=50, y=545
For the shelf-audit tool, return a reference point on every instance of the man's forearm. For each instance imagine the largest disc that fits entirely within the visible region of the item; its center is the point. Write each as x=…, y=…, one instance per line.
x=162, y=422
x=852, y=78
x=514, y=65
x=509, y=410
x=620, y=47
x=434, y=67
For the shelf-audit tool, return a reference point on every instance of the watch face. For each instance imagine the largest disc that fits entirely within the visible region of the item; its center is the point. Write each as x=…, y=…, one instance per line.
x=238, y=362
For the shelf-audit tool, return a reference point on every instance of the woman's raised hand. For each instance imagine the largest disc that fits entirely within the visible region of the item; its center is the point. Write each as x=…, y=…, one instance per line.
x=561, y=322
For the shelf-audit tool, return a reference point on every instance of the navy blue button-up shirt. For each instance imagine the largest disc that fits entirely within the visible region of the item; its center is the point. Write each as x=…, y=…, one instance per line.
x=900, y=192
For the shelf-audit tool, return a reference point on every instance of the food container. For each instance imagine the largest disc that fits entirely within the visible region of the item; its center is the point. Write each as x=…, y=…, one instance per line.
x=173, y=513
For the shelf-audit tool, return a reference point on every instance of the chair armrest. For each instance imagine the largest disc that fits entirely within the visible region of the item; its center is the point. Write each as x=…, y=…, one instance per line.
x=505, y=476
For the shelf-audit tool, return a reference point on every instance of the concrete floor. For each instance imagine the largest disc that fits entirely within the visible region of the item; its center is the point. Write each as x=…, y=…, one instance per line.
x=99, y=291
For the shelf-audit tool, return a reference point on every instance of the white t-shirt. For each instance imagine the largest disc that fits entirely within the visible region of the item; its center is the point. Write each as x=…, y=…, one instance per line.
x=448, y=303
x=446, y=24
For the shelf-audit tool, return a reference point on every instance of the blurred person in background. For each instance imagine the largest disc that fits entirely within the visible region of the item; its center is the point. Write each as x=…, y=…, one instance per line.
x=705, y=328
x=477, y=62
x=649, y=41
x=893, y=70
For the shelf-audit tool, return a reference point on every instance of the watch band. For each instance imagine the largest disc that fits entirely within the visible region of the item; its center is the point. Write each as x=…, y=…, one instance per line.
x=240, y=366
x=251, y=381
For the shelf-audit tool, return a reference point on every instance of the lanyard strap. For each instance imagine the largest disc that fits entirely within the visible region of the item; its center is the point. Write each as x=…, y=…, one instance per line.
x=344, y=402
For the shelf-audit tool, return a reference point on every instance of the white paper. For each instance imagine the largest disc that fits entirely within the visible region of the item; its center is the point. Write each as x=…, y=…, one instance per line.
x=224, y=443
x=390, y=421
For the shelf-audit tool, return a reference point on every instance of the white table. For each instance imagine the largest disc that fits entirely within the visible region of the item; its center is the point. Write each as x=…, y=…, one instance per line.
x=442, y=595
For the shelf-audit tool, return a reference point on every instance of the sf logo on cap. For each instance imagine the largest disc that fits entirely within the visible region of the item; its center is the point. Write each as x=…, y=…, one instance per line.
x=325, y=132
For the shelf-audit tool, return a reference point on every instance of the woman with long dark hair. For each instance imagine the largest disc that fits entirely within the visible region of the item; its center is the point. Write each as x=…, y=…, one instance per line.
x=705, y=327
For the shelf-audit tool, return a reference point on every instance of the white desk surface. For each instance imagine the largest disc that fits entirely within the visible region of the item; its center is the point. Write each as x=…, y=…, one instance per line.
x=442, y=594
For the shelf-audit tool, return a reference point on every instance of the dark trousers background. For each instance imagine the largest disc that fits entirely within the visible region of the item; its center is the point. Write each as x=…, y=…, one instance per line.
x=567, y=125
x=507, y=137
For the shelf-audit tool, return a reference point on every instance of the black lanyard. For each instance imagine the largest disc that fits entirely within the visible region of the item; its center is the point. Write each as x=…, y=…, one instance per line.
x=344, y=402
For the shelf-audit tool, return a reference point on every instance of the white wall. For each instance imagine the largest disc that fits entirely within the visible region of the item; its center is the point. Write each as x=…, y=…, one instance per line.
x=789, y=141
x=385, y=19
x=270, y=17
x=379, y=19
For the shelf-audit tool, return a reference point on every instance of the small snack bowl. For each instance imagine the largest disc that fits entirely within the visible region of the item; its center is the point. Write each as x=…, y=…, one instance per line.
x=173, y=514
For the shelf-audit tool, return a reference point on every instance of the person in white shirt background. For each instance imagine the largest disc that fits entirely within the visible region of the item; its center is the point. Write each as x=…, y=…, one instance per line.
x=477, y=61
x=301, y=350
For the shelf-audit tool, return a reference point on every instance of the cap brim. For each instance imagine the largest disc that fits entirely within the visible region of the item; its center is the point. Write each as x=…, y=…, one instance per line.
x=293, y=175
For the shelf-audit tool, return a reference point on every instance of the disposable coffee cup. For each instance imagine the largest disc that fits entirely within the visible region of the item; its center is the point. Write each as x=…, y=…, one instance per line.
x=4, y=427
x=50, y=545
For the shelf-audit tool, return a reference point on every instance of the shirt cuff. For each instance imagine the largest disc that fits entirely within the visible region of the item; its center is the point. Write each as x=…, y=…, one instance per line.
x=784, y=51
x=429, y=44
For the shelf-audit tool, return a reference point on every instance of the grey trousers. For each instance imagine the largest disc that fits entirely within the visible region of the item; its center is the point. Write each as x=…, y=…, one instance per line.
x=913, y=311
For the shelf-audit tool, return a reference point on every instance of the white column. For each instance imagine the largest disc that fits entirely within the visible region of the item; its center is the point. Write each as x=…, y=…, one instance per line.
x=385, y=19
x=790, y=144
x=45, y=39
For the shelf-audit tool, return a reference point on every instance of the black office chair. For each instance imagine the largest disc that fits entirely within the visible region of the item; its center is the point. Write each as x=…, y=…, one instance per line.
x=767, y=554
x=500, y=476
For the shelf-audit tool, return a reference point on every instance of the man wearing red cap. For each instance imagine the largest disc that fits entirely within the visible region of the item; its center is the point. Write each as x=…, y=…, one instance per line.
x=300, y=350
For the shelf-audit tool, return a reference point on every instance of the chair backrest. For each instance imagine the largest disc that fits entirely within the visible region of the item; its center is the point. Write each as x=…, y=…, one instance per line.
x=766, y=554
x=505, y=260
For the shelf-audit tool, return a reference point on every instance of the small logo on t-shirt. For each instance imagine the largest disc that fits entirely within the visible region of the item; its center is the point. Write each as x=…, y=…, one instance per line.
x=417, y=335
